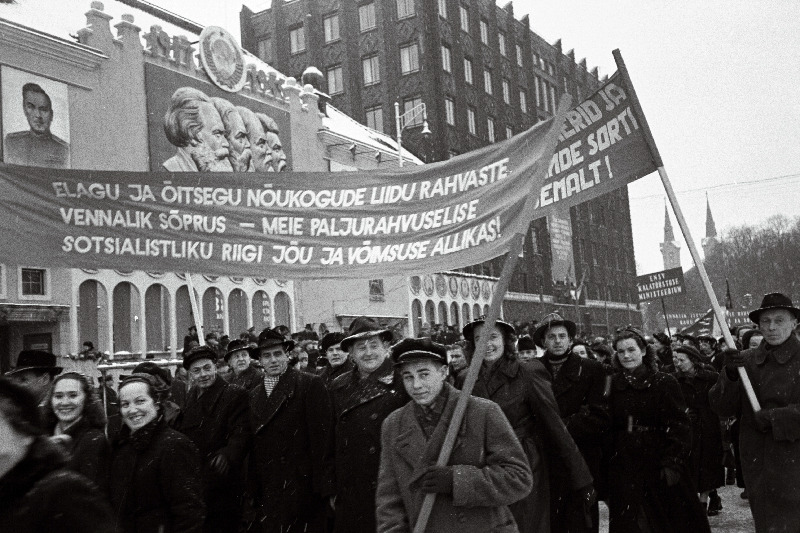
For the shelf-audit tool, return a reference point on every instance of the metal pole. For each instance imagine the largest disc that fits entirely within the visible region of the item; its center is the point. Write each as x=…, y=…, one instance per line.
x=399, y=134
x=666, y=320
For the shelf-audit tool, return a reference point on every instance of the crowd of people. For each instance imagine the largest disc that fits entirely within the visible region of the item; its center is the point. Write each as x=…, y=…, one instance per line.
x=289, y=433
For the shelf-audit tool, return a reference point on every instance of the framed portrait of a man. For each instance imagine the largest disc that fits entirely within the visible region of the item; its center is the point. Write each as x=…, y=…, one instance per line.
x=35, y=120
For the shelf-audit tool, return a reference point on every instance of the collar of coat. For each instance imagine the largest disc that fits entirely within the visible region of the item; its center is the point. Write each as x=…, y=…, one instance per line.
x=570, y=371
x=142, y=438
x=42, y=458
x=782, y=353
x=358, y=390
x=641, y=378
x=411, y=444
x=210, y=396
x=263, y=407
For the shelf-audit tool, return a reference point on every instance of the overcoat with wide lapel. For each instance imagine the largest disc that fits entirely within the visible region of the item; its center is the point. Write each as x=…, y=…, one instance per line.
x=292, y=451
x=490, y=471
x=361, y=404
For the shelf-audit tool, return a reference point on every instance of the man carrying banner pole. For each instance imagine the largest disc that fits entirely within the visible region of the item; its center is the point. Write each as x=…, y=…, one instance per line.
x=421, y=523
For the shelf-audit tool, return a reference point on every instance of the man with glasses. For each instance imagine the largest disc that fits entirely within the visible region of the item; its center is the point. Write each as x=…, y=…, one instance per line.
x=216, y=419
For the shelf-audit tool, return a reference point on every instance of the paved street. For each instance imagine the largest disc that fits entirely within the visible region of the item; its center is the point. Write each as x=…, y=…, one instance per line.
x=735, y=516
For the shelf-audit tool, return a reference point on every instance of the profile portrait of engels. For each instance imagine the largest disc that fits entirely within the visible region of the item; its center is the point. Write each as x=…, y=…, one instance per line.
x=213, y=135
x=37, y=146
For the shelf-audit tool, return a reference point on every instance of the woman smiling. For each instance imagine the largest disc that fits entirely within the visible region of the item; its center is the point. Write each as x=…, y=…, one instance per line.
x=75, y=419
x=649, y=487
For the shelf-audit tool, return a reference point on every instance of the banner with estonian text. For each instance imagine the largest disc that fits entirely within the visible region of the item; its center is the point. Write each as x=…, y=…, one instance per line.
x=602, y=147
x=365, y=224
x=660, y=284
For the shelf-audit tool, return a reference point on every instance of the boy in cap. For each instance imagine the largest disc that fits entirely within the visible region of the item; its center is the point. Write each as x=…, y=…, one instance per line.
x=487, y=471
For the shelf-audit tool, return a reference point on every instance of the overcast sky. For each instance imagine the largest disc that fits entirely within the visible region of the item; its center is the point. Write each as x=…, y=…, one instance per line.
x=719, y=82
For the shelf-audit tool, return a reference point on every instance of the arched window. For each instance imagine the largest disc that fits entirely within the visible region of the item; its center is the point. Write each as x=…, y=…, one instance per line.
x=283, y=310
x=127, y=319
x=262, y=311
x=237, y=313
x=93, y=314
x=157, y=306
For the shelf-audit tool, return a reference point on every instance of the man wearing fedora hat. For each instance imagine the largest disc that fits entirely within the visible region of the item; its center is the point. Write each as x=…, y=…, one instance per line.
x=291, y=419
x=487, y=471
x=578, y=385
x=215, y=418
x=35, y=371
x=769, y=440
x=362, y=399
x=238, y=357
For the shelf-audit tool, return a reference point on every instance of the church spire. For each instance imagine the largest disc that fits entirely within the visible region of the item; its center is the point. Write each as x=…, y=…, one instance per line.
x=669, y=235
x=711, y=228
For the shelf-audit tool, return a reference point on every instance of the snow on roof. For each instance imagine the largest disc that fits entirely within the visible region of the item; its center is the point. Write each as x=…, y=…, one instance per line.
x=338, y=122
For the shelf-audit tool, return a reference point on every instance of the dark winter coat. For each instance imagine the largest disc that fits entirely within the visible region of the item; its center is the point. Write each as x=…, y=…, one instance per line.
x=524, y=393
x=329, y=374
x=41, y=495
x=650, y=430
x=770, y=459
x=251, y=378
x=154, y=481
x=490, y=471
x=292, y=456
x=578, y=388
x=705, y=460
x=360, y=407
x=218, y=423
x=89, y=452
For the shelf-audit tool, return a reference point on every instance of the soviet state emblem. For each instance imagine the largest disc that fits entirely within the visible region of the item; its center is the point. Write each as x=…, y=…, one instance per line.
x=222, y=59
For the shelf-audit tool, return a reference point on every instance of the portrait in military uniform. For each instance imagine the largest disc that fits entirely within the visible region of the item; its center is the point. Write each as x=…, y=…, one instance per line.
x=35, y=120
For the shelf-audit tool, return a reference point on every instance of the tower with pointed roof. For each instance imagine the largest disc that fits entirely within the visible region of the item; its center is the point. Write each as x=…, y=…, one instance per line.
x=670, y=250
x=710, y=241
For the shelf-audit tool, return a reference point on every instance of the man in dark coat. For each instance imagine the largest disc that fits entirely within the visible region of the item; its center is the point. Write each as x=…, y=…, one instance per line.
x=291, y=418
x=487, y=471
x=578, y=386
x=37, y=493
x=338, y=361
x=239, y=357
x=216, y=420
x=362, y=399
x=769, y=439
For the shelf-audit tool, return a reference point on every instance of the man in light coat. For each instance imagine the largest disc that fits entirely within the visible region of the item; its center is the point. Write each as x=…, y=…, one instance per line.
x=769, y=439
x=487, y=471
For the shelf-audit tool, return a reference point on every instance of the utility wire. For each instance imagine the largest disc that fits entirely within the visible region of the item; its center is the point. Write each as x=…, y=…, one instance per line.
x=795, y=178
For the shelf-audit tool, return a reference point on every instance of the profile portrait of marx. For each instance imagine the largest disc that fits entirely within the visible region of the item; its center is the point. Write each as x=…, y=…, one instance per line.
x=193, y=125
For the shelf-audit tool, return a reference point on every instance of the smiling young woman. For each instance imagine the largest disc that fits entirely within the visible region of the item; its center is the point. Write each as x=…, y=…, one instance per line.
x=75, y=417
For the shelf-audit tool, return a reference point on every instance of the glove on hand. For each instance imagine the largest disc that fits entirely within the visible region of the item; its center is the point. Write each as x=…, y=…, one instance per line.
x=437, y=479
x=733, y=360
x=762, y=420
x=670, y=476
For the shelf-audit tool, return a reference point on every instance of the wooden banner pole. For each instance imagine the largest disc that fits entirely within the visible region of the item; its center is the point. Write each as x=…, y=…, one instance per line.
x=195, y=310
x=676, y=208
x=515, y=250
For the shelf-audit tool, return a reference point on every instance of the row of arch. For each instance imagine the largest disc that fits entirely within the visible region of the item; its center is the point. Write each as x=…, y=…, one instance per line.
x=442, y=314
x=130, y=323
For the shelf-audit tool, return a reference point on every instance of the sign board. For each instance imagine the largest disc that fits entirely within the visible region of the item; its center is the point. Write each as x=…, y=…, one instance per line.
x=660, y=284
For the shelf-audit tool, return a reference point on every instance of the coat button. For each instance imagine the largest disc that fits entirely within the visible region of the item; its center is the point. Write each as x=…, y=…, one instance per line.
x=372, y=450
x=373, y=416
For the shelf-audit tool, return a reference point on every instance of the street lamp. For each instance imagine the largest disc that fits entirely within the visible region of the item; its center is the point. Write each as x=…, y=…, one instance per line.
x=403, y=120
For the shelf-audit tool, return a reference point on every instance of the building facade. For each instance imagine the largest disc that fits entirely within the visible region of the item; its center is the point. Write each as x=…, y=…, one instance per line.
x=483, y=76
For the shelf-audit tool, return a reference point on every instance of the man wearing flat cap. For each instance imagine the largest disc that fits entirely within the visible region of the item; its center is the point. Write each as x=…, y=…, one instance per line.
x=362, y=399
x=245, y=374
x=487, y=470
x=215, y=418
x=578, y=386
x=291, y=419
x=769, y=439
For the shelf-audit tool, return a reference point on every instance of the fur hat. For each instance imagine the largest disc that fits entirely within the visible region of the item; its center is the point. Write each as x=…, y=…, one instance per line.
x=330, y=339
